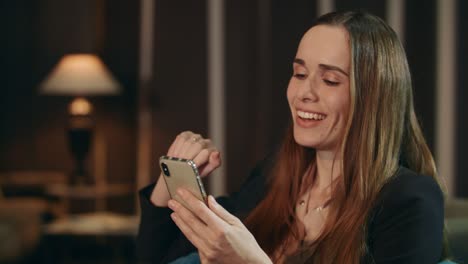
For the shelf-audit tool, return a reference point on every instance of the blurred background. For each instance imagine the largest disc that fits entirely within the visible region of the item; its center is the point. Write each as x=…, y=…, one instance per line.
x=74, y=149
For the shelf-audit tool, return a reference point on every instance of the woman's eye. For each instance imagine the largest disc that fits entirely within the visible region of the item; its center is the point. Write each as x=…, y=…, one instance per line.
x=299, y=76
x=330, y=83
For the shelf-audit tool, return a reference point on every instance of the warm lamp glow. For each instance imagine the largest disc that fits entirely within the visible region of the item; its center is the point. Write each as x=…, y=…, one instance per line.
x=80, y=106
x=80, y=74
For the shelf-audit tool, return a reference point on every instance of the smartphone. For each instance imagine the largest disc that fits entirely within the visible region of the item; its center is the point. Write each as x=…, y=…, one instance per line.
x=177, y=173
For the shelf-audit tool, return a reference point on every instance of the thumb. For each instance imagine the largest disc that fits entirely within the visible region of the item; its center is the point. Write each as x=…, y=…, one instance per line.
x=221, y=212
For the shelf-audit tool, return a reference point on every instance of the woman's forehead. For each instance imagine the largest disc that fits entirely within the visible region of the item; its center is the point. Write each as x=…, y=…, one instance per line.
x=325, y=44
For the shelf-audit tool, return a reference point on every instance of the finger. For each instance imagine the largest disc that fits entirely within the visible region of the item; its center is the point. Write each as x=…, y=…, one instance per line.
x=180, y=141
x=202, y=157
x=214, y=161
x=189, y=233
x=189, y=218
x=200, y=209
x=221, y=212
x=192, y=145
x=193, y=148
x=176, y=145
x=193, y=228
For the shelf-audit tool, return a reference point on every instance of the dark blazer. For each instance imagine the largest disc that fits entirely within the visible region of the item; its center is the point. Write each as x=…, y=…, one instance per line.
x=405, y=226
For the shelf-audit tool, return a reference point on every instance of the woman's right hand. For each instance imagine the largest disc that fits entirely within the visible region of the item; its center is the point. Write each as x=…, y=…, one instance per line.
x=188, y=145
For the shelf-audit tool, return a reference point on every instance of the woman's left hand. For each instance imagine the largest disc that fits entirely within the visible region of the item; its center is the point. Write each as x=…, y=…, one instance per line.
x=219, y=236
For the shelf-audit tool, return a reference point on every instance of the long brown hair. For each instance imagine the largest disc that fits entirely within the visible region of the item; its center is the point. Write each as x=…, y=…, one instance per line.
x=382, y=130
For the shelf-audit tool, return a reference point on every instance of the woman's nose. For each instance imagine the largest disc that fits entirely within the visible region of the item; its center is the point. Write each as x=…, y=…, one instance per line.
x=307, y=92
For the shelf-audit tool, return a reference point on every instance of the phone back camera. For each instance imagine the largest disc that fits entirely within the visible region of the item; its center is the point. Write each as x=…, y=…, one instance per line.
x=165, y=169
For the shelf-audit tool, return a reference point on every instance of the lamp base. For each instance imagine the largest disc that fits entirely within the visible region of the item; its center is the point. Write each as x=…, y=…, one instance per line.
x=80, y=135
x=79, y=179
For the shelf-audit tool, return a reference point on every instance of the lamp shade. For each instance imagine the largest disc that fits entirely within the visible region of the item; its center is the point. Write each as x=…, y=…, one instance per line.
x=80, y=74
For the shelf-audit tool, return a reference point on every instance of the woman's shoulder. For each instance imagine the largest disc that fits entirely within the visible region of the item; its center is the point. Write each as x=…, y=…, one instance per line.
x=408, y=194
x=406, y=222
x=407, y=185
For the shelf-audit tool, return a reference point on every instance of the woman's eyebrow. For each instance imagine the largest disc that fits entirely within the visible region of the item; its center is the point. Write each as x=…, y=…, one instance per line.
x=299, y=61
x=332, y=68
x=327, y=67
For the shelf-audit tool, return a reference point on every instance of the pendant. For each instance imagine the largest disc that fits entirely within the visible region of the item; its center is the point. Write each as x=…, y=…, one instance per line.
x=318, y=209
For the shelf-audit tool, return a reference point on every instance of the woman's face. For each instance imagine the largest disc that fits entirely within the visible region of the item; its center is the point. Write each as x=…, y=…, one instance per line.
x=318, y=92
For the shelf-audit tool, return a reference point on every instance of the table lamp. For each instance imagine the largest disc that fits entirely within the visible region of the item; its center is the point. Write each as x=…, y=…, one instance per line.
x=80, y=75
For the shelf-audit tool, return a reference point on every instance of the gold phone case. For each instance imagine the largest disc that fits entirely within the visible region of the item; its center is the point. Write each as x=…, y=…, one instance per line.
x=183, y=173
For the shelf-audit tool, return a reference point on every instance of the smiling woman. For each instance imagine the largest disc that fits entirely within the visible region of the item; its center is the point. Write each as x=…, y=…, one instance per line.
x=353, y=182
x=318, y=93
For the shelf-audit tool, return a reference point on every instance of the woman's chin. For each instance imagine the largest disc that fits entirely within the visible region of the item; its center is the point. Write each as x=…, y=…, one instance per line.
x=314, y=143
x=306, y=141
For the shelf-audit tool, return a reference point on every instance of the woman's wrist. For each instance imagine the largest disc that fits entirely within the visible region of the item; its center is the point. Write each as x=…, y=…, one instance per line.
x=160, y=196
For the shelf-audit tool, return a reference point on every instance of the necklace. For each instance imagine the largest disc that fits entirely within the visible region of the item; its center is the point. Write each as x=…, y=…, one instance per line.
x=319, y=208
x=306, y=201
x=316, y=209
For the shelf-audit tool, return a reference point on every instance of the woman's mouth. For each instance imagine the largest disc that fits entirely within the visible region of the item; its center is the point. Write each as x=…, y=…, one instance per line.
x=308, y=119
x=310, y=116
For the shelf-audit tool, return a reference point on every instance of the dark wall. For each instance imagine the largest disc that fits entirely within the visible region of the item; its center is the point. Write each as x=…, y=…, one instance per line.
x=375, y=7
x=243, y=74
x=180, y=78
x=420, y=36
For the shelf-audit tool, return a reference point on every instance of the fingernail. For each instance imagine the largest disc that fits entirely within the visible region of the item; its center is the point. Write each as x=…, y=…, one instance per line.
x=174, y=216
x=212, y=200
x=171, y=204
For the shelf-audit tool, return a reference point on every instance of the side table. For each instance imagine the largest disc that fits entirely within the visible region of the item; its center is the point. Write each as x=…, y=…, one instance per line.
x=100, y=237
x=66, y=193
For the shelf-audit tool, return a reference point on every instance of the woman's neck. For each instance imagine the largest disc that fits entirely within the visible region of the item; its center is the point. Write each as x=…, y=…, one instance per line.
x=328, y=169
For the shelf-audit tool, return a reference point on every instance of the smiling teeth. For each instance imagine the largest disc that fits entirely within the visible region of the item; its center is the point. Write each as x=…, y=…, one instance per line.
x=313, y=116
